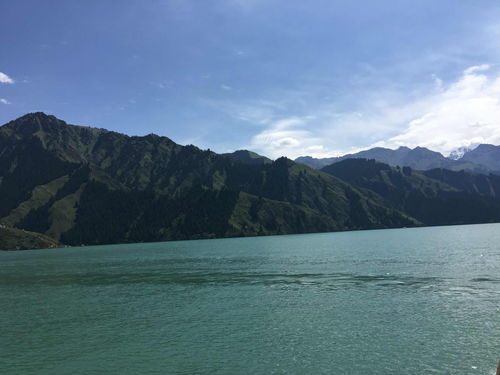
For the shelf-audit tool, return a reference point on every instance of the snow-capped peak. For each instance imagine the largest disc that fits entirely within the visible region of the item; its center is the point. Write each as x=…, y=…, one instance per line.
x=461, y=151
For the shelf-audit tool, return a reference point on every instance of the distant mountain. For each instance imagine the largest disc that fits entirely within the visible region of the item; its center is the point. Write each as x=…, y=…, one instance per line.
x=460, y=152
x=434, y=197
x=248, y=157
x=419, y=158
x=485, y=155
x=83, y=185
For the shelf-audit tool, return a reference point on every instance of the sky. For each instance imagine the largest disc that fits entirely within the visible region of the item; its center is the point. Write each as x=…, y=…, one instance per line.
x=279, y=77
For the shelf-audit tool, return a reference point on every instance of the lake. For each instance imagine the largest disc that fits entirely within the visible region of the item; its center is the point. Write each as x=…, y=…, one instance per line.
x=400, y=301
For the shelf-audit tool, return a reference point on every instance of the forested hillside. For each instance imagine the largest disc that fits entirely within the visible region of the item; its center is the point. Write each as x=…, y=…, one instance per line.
x=82, y=185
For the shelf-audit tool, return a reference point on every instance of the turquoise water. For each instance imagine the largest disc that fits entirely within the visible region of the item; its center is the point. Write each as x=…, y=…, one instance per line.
x=402, y=301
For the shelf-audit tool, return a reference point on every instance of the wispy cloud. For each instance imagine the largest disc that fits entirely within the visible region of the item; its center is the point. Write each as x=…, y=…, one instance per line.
x=477, y=68
x=256, y=112
x=4, y=78
x=4, y=101
x=163, y=84
x=287, y=136
x=442, y=117
x=464, y=113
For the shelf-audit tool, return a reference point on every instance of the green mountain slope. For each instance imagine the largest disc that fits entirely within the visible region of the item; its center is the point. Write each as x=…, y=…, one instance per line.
x=435, y=197
x=83, y=185
x=17, y=239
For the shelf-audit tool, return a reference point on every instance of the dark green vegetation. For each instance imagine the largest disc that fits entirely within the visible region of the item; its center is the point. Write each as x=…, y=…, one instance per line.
x=18, y=239
x=248, y=157
x=81, y=185
x=434, y=197
x=483, y=159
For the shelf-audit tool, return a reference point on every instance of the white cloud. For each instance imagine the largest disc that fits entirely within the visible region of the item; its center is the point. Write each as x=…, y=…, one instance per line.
x=465, y=113
x=4, y=101
x=437, y=114
x=477, y=68
x=4, y=78
x=287, y=136
x=444, y=118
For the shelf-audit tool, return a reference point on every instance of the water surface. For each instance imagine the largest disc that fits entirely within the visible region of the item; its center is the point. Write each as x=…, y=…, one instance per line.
x=402, y=301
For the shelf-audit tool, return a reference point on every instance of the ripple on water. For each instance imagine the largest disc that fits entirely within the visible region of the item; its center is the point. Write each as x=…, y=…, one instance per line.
x=351, y=303
x=327, y=280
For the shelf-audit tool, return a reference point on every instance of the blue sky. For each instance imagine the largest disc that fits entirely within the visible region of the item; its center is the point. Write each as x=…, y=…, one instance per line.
x=280, y=77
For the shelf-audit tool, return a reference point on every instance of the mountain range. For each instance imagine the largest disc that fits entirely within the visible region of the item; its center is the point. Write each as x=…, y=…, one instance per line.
x=434, y=197
x=78, y=185
x=484, y=158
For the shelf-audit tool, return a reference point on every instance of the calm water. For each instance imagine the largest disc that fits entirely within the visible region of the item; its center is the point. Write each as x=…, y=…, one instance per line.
x=404, y=301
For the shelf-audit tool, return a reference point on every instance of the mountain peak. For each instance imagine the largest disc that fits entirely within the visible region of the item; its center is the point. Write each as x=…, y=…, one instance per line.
x=38, y=115
x=424, y=149
x=35, y=122
x=486, y=155
x=32, y=123
x=486, y=147
x=461, y=151
x=248, y=157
